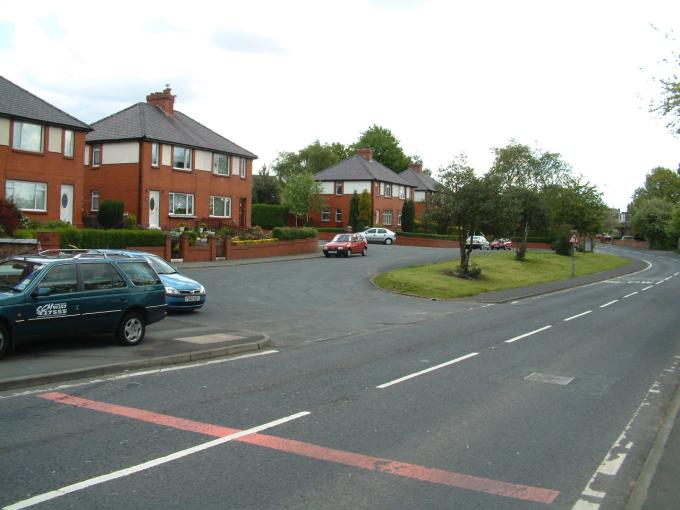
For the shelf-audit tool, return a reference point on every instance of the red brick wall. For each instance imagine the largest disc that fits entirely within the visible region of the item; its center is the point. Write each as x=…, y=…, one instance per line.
x=273, y=249
x=52, y=168
x=640, y=245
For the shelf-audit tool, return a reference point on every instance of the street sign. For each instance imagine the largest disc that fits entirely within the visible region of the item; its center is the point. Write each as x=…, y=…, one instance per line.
x=573, y=240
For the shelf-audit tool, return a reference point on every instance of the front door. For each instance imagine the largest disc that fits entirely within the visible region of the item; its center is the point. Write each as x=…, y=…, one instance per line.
x=242, y=212
x=154, y=209
x=66, y=203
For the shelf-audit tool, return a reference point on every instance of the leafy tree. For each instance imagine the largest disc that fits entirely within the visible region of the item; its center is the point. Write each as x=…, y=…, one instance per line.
x=659, y=183
x=265, y=188
x=10, y=218
x=354, y=212
x=302, y=195
x=521, y=166
x=527, y=207
x=386, y=148
x=408, y=216
x=652, y=219
x=669, y=106
x=311, y=159
x=365, y=208
x=673, y=228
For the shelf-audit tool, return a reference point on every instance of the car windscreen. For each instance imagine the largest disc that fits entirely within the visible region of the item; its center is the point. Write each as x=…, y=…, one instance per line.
x=161, y=266
x=18, y=274
x=342, y=238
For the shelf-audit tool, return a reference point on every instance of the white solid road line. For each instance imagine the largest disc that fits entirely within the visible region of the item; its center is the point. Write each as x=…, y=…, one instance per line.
x=41, y=498
x=577, y=316
x=610, y=303
x=527, y=334
x=631, y=294
x=427, y=370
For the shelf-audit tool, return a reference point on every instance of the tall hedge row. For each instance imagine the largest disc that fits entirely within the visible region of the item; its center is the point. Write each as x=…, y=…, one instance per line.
x=102, y=238
x=290, y=233
x=269, y=216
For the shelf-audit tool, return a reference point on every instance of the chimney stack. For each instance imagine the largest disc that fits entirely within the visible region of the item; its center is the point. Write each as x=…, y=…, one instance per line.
x=416, y=167
x=366, y=153
x=165, y=100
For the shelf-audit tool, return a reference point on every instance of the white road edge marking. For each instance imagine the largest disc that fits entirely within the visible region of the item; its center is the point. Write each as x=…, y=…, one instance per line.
x=138, y=374
x=41, y=498
x=631, y=294
x=527, y=334
x=610, y=303
x=577, y=316
x=427, y=370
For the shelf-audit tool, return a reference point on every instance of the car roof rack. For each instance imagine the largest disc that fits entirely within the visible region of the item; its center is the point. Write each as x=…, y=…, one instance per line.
x=83, y=253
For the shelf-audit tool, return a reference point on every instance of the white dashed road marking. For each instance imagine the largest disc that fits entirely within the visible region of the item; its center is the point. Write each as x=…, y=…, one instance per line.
x=610, y=303
x=631, y=294
x=577, y=316
x=527, y=334
x=427, y=370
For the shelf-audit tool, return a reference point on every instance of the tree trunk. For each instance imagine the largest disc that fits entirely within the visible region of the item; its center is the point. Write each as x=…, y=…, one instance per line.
x=522, y=248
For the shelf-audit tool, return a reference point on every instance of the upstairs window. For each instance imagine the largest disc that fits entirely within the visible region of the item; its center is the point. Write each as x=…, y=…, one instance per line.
x=402, y=192
x=388, y=190
x=68, y=143
x=154, y=154
x=96, y=154
x=221, y=164
x=338, y=188
x=242, y=162
x=181, y=158
x=27, y=137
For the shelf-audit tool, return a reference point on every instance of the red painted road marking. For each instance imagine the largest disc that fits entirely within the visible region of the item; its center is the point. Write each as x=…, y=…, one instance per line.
x=376, y=464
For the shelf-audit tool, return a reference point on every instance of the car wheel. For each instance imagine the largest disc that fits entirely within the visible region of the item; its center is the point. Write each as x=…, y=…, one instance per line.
x=338, y=254
x=5, y=340
x=131, y=329
x=326, y=254
x=348, y=253
x=388, y=240
x=364, y=252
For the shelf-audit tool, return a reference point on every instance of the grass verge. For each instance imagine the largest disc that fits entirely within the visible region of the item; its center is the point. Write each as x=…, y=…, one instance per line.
x=499, y=271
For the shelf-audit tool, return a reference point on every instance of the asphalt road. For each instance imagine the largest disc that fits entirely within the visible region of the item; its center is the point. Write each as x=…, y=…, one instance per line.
x=368, y=400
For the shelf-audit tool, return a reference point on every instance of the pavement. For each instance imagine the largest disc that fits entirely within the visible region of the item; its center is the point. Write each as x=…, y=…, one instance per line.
x=45, y=363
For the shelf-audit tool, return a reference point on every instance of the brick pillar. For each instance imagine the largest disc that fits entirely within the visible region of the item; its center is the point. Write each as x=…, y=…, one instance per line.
x=47, y=241
x=184, y=247
x=227, y=247
x=213, y=247
x=167, y=252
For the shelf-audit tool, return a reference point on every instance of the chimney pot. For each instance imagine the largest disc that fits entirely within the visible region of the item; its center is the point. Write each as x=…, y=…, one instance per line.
x=416, y=167
x=366, y=153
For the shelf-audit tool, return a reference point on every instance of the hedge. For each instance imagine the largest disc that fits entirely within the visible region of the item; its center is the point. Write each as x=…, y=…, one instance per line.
x=423, y=235
x=536, y=239
x=290, y=233
x=269, y=216
x=102, y=238
x=332, y=230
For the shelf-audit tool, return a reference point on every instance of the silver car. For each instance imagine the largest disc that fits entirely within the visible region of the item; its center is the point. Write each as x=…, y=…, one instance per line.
x=380, y=235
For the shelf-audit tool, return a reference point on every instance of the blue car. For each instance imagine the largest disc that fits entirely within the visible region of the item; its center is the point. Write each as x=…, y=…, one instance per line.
x=181, y=292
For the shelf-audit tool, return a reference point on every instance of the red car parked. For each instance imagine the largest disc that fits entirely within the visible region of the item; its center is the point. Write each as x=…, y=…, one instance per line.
x=346, y=245
x=502, y=243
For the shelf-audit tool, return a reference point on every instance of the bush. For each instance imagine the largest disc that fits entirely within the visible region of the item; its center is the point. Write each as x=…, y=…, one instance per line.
x=130, y=221
x=423, y=235
x=110, y=214
x=332, y=230
x=269, y=216
x=290, y=233
x=10, y=217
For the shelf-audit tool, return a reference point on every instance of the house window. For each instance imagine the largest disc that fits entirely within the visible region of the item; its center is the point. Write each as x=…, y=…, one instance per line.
x=94, y=201
x=338, y=188
x=387, y=217
x=27, y=137
x=68, y=143
x=27, y=196
x=221, y=164
x=388, y=190
x=408, y=193
x=338, y=215
x=402, y=192
x=96, y=154
x=399, y=219
x=377, y=216
x=181, y=158
x=220, y=207
x=181, y=204
x=235, y=166
x=325, y=214
x=242, y=167
x=154, y=154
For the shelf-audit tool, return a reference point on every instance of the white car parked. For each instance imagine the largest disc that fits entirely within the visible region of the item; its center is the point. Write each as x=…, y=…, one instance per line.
x=478, y=242
x=380, y=235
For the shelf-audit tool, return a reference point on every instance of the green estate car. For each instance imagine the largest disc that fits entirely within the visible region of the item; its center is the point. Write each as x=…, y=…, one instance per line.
x=69, y=295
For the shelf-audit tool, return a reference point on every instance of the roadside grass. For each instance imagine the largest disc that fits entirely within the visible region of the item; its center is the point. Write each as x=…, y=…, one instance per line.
x=499, y=271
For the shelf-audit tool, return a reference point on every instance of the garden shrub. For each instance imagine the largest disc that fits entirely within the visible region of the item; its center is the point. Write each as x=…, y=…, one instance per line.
x=290, y=233
x=269, y=216
x=10, y=217
x=110, y=214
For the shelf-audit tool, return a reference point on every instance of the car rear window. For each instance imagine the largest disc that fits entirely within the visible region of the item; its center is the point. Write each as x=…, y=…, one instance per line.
x=140, y=273
x=101, y=276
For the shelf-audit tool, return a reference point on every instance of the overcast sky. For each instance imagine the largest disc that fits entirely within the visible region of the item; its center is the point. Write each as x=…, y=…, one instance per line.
x=574, y=77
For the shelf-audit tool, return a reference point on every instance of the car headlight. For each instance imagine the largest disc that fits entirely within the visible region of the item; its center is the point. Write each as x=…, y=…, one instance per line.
x=171, y=290
x=201, y=289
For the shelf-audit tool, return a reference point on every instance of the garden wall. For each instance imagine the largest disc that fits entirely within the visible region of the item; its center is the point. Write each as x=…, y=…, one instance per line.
x=640, y=245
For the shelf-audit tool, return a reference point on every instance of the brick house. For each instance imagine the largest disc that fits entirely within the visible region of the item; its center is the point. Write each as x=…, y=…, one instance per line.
x=41, y=156
x=167, y=168
x=360, y=173
x=425, y=186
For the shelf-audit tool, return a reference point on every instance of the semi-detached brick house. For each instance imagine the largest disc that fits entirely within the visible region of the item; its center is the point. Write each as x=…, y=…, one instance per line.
x=425, y=186
x=167, y=168
x=360, y=173
x=41, y=156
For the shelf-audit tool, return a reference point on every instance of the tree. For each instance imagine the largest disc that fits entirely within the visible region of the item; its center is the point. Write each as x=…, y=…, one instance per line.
x=311, y=159
x=408, y=216
x=302, y=195
x=354, y=212
x=652, y=219
x=10, y=218
x=669, y=105
x=660, y=183
x=673, y=228
x=265, y=187
x=386, y=148
x=365, y=208
x=521, y=166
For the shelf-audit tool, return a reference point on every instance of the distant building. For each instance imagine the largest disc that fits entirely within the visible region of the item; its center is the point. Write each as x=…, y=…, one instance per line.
x=425, y=186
